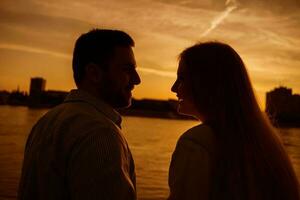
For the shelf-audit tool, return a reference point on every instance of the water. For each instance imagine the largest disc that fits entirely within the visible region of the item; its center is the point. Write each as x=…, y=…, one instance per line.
x=152, y=142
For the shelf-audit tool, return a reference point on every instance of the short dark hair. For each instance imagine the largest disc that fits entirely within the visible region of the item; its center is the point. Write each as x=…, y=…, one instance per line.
x=97, y=46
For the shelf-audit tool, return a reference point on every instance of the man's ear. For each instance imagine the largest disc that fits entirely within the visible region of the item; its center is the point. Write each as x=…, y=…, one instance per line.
x=93, y=72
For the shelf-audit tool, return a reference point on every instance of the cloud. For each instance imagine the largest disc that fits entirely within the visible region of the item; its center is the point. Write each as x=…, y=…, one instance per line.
x=265, y=32
x=193, y=4
x=157, y=72
x=230, y=6
x=27, y=49
x=281, y=7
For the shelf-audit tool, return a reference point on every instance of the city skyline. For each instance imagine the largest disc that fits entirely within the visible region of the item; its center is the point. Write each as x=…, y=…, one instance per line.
x=42, y=83
x=282, y=105
x=39, y=77
x=37, y=38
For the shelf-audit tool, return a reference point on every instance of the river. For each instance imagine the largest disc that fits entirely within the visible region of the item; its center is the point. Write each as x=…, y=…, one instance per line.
x=151, y=140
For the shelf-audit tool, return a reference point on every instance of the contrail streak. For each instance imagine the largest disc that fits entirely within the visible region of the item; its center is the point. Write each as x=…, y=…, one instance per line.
x=230, y=6
x=67, y=56
x=157, y=72
x=33, y=50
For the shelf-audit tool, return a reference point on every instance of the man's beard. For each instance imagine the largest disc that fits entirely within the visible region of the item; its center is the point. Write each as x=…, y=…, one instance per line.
x=120, y=100
x=116, y=97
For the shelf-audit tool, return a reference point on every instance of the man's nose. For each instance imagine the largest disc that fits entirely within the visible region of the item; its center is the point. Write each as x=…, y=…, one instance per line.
x=136, y=78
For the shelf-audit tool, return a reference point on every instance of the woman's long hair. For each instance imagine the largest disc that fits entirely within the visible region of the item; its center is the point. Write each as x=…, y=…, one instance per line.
x=252, y=163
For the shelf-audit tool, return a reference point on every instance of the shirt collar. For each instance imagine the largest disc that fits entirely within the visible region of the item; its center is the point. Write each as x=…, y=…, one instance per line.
x=101, y=106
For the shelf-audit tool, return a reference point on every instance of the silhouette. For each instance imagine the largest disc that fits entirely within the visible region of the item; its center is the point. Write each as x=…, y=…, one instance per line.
x=283, y=107
x=39, y=97
x=235, y=154
x=36, y=91
x=77, y=149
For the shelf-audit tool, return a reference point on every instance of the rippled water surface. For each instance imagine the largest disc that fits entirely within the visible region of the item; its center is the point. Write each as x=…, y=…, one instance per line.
x=151, y=141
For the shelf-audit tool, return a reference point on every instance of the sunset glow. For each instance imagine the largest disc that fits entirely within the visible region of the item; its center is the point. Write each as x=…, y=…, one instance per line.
x=37, y=38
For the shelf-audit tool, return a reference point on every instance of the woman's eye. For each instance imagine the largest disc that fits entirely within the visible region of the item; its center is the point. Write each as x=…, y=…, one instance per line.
x=180, y=78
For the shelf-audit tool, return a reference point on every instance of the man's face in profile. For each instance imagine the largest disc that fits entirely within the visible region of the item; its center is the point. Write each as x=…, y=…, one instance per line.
x=120, y=78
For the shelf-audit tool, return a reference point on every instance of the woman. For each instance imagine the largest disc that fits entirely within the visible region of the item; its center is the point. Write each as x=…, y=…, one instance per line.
x=235, y=153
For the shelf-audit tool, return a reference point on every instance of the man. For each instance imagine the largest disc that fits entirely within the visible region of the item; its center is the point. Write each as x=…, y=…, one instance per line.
x=77, y=150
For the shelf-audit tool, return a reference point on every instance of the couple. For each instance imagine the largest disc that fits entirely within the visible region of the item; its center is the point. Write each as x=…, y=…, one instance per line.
x=77, y=149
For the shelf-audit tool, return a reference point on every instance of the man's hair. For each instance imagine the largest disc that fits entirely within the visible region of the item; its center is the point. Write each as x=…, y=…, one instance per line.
x=97, y=46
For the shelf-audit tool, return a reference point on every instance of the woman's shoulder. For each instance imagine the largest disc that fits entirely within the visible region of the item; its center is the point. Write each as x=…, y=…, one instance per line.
x=201, y=135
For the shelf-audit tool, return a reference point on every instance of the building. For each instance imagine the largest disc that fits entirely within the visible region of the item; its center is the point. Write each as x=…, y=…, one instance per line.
x=18, y=98
x=283, y=106
x=154, y=108
x=51, y=98
x=39, y=97
x=37, y=87
x=4, y=96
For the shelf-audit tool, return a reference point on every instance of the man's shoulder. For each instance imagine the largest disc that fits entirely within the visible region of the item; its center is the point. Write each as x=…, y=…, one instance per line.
x=70, y=125
x=77, y=113
x=75, y=120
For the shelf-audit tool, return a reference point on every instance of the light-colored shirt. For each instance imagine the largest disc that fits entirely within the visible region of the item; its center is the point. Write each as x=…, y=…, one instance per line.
x=77, y=151
x=191, y=168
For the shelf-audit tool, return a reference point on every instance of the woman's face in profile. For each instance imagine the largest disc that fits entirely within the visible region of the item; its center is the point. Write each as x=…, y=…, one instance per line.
x=182, y=89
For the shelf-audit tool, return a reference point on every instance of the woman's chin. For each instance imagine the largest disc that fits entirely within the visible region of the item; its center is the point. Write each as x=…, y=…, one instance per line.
x=183, y=111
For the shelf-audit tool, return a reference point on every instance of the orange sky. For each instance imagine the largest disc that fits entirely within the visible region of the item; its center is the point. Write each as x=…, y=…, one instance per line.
x=37, y=38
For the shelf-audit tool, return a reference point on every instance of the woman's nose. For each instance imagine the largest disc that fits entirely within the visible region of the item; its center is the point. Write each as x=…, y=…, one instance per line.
x=174, y=87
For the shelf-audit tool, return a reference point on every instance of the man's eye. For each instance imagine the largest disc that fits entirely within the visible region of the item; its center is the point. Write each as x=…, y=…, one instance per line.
x=128, y=68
